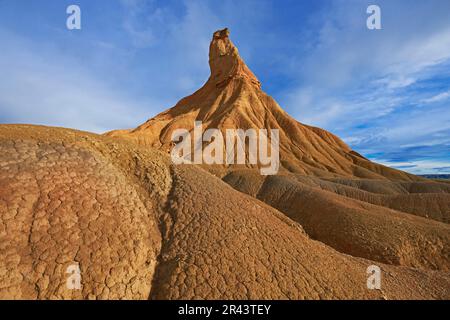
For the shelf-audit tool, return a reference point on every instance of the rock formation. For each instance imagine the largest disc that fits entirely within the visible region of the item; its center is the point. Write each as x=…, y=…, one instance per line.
x=139, y=227
x=232, y=98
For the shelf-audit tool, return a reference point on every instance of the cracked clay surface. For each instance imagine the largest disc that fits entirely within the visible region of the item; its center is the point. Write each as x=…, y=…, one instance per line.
x=139, y=228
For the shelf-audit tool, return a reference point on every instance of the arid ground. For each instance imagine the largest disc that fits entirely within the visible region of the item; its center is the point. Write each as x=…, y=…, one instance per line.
x=140, y=227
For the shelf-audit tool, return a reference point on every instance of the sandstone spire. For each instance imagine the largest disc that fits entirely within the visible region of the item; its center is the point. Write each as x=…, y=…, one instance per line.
x=232, y=99
x=129, y=223
x=225, y=62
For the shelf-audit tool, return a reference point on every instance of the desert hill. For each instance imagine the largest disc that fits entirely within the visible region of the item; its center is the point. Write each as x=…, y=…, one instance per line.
x=342, y=199
x=232, y=98
x=347, y=220
x=140, y=227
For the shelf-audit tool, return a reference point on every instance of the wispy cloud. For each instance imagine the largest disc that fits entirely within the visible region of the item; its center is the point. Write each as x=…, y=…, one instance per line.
x=132, y=60
x=46, y=87
x=385, y=92
x=438, y=98
x=369, y=86
x=418, y=167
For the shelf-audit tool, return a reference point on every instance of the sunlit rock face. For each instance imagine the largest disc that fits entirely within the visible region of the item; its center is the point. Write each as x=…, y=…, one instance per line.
x=137, y=226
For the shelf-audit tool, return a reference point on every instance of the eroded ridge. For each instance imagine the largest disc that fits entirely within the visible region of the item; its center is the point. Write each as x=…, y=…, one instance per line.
x=333, y=216
x=139, y=227
x=224, y=244
x=62, y=205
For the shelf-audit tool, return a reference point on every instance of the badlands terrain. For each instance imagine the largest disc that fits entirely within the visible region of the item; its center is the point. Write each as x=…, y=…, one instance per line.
x=140, y=227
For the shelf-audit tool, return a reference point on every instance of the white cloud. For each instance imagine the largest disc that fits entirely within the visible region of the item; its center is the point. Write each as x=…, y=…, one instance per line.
x=347, y=56
x=419, y=166
x=367, y=86
x=437, y=98
x=396, y=81
x=102, y=79
x=43, y=86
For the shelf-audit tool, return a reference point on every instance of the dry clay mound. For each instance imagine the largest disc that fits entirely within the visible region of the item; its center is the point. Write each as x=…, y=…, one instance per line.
x=346, y=218
x=232, y=99
x=141, y=228
x=339, y=197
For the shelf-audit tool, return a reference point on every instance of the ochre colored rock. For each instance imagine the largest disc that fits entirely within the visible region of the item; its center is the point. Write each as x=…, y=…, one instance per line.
x=140, y=227
x=232, y=99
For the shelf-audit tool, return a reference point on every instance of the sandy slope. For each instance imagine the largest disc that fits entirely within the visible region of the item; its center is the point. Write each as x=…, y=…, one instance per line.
x=353, y=226
x=339, y=197
x=140, y=227
x=232, y=98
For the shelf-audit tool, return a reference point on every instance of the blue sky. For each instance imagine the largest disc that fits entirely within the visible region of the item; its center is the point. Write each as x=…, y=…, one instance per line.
x=385, y=92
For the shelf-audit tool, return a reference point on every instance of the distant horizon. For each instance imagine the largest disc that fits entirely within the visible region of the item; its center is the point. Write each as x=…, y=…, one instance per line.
x=384, y=92
x=446, y=176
